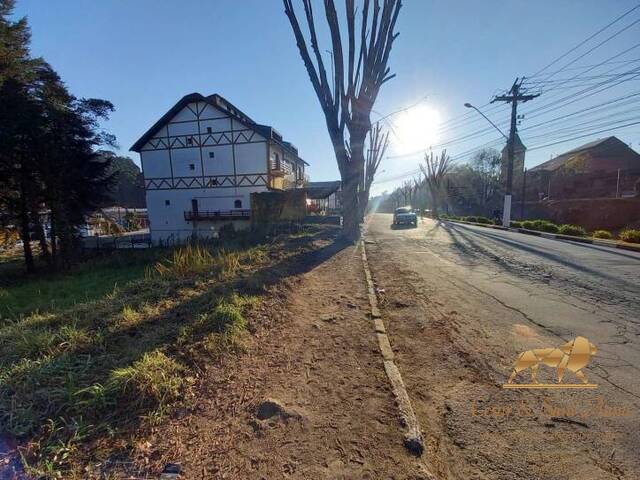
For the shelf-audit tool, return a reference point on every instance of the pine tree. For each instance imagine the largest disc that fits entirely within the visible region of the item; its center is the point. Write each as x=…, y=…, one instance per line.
x=48, y=143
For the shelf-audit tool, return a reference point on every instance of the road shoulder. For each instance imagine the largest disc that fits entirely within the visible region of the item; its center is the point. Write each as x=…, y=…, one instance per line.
x=320, y=365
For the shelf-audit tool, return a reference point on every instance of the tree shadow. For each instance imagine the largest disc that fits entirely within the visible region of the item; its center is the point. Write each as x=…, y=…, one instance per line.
x=528, y=248
x=58, y=382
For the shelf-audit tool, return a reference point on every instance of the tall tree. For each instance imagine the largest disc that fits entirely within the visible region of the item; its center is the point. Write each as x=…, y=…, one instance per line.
x=19, y=122
x=76, y=178
x=434, y=169
x=348, y=97
x=378, y=143
x=47, y=143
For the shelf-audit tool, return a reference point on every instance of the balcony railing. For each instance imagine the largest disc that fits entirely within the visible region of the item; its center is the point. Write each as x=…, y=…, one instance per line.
x=277, y=171
x=214, y=215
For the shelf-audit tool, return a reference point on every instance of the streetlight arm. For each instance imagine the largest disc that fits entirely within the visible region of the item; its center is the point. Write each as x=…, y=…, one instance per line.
x=468, y=105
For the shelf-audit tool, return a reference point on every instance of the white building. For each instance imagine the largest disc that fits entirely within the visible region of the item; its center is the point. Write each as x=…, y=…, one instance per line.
x=202, y=160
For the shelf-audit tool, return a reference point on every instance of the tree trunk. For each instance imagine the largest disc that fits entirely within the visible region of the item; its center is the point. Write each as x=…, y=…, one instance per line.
x=351, y=180
x=350, y=207
x=42, y=240
x=434, y=201
x=25, y=232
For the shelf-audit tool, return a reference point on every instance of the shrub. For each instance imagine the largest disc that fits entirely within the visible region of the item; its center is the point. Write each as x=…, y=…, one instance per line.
x=484, y=220
x=470, y=219
x=631, y=236
x=544, y=226
x=540, y=226
x=573, y=230
x=516, y=224
x=605, y=234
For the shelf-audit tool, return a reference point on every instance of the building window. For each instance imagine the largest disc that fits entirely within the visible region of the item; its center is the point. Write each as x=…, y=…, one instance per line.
x=167, y=202
x=212, y=154
x=209, y=130
x=277, y=161
x=189, y=140
x=192, y=166
x=237, y=204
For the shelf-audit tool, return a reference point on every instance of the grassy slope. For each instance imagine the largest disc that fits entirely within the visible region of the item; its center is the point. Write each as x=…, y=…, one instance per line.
x=84, y=283
x=107, y=359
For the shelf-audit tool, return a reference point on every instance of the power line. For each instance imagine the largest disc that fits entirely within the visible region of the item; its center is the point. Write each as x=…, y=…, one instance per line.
x=537, y=147
x=587, y=40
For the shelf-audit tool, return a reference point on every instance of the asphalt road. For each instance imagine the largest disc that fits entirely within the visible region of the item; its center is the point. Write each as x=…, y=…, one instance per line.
x=567, y=288
x=506, y=292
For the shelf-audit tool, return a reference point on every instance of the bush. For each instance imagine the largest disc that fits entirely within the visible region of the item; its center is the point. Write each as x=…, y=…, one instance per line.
x=573, y=230
x=544, y=226
x=605, y=234
x=540, y=226
x=484, y=220
x=470, y=219
x=631, y=236
x=516, y=224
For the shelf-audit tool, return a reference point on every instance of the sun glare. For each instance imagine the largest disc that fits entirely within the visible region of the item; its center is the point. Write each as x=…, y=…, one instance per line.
x=416, y=129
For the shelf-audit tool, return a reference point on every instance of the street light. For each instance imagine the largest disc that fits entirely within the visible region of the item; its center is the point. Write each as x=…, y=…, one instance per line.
x=506, y=209
x=468, y=105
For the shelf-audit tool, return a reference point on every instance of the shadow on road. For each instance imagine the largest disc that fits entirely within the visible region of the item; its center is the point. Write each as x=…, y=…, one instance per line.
x=526, y=248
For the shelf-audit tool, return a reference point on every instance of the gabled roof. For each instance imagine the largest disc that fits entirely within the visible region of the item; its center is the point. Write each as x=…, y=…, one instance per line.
x=221, y=103
x=561, y=159
x=518, y=146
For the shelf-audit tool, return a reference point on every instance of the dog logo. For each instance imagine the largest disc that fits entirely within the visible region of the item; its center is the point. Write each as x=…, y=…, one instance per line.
x=572, y=356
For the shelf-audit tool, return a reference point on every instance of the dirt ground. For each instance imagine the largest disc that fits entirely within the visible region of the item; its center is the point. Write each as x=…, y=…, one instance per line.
x=309, y=399
x=314, y=353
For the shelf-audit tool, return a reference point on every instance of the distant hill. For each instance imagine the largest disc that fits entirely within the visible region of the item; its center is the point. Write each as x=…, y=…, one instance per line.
x=129, y=188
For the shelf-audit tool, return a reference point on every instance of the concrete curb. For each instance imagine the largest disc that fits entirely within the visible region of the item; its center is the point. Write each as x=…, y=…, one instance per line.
x=557, y=236
x=413, y=440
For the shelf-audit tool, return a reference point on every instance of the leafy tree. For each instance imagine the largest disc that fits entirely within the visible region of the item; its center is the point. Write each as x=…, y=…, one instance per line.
x=476, y=185
x=128, y=189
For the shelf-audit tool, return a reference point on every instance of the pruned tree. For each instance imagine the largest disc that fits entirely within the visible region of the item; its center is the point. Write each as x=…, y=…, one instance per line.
x=359, y=70
x=434, y=169
x=378, y=143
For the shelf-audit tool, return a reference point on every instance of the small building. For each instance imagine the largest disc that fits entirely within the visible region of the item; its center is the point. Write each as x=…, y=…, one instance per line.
x=605, y=168
x=519, y=151
x=324, y=198
x=202, y=160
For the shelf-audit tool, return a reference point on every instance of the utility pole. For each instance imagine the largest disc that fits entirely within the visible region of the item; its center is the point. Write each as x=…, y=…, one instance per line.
x=524, y=193
x=513, y=96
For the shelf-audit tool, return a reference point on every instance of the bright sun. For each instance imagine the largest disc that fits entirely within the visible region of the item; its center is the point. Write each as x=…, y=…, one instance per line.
x=416, y=129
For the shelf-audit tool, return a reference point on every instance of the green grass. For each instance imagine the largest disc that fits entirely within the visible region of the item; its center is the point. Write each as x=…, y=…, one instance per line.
x=89, y=281
x=92, y=364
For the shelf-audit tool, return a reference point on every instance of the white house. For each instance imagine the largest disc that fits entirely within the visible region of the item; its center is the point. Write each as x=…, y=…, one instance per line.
x=202, y=160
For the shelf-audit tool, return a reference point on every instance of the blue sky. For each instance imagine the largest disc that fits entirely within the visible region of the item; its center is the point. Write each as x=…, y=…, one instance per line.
x=144, y=55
